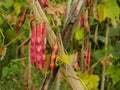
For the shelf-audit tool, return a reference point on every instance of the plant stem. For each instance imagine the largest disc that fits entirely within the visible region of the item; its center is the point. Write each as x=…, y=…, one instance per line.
x=19, y=59
x=2, y=36
x=58, y=81
x=13, y=40
x=29, y=73
x=104, y=67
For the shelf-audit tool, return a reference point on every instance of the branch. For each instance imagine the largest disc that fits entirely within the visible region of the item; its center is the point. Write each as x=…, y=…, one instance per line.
x=72, y=20
x=69, y=26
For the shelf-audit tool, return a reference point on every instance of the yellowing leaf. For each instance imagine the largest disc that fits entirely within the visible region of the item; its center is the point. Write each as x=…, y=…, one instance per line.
x=63, y=58
x=101, y=12
x=17, y=8
x=114, y=23
x=10, y=19
x=55, y=10
x=106, y=60
x=91, y=81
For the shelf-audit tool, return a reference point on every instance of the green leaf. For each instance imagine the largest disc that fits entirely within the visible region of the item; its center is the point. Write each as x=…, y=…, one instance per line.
x=0, y=3
x=114, y=72
x=113, y=10
x=10, y=35
x=115, y=79
x=97, y=54
x=71, y=57
x=14, y=69
x=8, y=3
x=79, y=33
x=118, y=86
x=110, y=70
x=101, y=38
x=5, y=71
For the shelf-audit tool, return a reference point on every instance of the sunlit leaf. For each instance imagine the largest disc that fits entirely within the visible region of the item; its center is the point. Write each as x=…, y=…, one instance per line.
x=79, y=33
x=17, y=8
x=91, y=81
x=101, y=12
x=113, y=10
x=63, y=58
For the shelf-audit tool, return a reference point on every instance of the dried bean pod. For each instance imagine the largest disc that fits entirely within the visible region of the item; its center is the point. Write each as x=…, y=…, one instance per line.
x=86, y=23
x=81, y=21
x=43, y=3
x=21, y=20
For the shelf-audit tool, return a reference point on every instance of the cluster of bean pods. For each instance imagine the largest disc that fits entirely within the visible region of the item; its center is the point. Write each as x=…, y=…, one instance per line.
x=38, y=45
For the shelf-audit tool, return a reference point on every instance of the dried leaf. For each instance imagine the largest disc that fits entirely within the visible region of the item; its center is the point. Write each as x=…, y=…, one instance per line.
x=55, y=10
x=114, y=23
x=75, y=61
x=10, y=19
x=2, y=52
x=96, y=35
x=86, y=23
x=106, y=61
x=87, y=57
x=94, y=8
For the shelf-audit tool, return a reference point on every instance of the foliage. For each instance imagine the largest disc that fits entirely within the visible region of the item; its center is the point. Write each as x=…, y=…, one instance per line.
x=14, y=66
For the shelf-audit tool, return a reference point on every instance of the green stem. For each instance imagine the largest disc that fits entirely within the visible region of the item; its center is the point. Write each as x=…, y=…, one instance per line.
x=13, y=40
x=19, y=59
x=2, y=36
